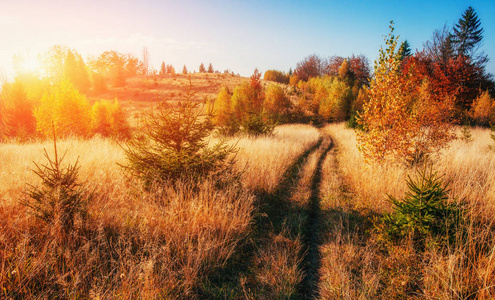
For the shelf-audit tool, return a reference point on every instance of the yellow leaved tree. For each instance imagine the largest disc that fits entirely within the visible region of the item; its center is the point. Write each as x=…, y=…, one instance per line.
x=401, y=118
x=66, y=108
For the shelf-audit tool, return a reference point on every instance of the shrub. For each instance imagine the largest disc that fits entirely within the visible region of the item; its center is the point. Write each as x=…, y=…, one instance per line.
x=173, y=146
x=492, y=136
x=255, y=126
x=424, y=212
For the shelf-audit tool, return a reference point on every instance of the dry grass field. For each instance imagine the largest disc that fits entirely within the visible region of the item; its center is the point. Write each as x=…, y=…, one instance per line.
x=357, y=265
x=168, y=244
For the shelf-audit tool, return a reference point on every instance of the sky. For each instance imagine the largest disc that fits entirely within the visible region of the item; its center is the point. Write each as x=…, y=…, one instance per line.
x=230, y=34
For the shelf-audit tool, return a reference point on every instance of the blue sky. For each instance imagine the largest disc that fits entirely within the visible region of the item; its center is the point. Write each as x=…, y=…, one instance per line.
x=235, y=35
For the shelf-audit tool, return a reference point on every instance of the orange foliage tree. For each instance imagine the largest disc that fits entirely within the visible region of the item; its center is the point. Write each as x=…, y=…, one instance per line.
x=277, y=76
x=483, y=111
x=277, y=105
x=224, y=116
x=109, y=119
x=402, y=119
x=17, y=112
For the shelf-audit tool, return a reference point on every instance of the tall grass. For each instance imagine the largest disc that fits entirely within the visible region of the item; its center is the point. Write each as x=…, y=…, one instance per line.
x=133, y=243
x=265, y=159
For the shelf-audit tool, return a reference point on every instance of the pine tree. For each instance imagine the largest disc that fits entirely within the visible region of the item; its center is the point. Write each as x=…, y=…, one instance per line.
x=174, y=146
x=202, y=68
x=467, y=33
x=405, y=50
x=184, y=70
x=60, y=200
x=210, y=68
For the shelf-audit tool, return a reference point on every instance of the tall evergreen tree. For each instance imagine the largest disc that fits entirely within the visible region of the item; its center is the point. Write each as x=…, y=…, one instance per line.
x=202, y=68
x=184, y=70
x=467, y=34
x=210, y=68
x=405, y=50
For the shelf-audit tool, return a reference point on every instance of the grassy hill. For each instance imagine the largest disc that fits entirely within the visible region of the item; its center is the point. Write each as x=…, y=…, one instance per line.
x=141, y=92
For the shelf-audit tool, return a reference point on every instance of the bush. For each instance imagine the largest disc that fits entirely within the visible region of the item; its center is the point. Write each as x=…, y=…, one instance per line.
x=255, y=126
x=424, y=212
x=173, y=146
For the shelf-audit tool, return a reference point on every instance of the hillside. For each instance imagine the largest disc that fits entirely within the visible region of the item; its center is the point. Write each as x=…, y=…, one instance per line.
x=140, y=92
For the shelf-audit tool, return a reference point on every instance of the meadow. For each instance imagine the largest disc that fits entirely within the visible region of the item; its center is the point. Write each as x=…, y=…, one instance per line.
x=300, y=221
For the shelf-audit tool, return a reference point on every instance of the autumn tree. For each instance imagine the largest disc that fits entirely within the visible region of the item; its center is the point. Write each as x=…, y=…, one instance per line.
x=210, y=68
x=276, y=76
x=311, y=66
x=224, y=116
x=53, y=60
x=357, y=64
x=202, y=68
x=247, y=101
x=401, y=118
x=17, y=112
x=170, y=69
x=108, y=119
x=276, y=105
x=116, y=67
x=345, y=72
x=294, y=80
x=336, y=104
x=76, y=71
x=66, y=108
x=163, y=69
x=483, y=110
x=184, y=70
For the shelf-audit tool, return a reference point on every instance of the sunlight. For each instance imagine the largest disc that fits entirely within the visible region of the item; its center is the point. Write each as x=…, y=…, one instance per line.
x=27, y=63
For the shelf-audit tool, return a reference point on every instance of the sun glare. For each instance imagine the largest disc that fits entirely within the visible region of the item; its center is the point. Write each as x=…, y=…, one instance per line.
x=27, y=64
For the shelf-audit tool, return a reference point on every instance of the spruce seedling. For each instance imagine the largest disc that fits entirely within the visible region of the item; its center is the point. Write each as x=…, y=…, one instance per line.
x=60, y=198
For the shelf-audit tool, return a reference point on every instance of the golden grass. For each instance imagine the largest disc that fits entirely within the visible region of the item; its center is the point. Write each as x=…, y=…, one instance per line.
x=136, y=244
x=264, y=159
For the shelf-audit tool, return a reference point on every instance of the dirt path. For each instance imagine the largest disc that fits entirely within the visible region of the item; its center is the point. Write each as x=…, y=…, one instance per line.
x=308, y=288
x=281, y=258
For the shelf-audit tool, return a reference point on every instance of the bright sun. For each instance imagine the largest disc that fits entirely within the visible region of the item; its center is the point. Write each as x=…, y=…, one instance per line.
x=27, y=64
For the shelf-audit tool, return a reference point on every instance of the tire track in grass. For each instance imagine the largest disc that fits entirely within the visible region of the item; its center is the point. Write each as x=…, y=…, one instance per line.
x=308, y=289
x=240, y=278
